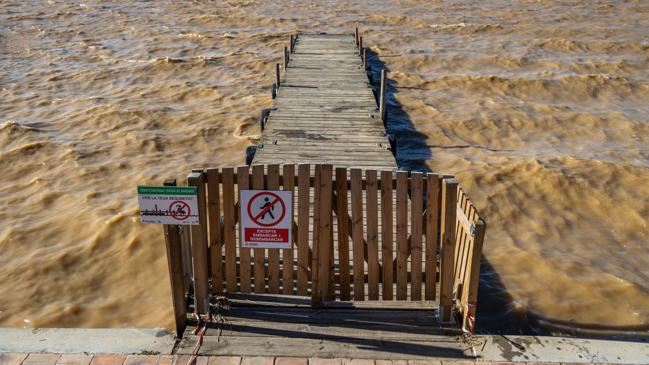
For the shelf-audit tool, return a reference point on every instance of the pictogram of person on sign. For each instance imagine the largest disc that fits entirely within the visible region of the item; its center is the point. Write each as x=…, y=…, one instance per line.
x=269, y=211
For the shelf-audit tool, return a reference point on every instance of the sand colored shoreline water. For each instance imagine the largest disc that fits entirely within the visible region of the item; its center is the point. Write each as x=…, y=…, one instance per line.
x=538, y=107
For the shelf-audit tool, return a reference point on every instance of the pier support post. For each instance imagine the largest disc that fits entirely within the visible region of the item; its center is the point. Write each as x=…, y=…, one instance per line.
x=382, y=109
x=175, y=264
x=360, y=46
x=277, y=74
x=291, y=40
x=199, y=245
x=286, y=56
x=447, y=252
x=356, y=36
x=365, y=58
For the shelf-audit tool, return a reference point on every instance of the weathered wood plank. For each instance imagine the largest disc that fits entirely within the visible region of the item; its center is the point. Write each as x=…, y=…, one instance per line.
x=343, y=232
x=416, y=231
x=432, y=234
x=287, y=254
x=243, y=182
x=402, y=235
x=357, y=231
x=216, y=238
x=304, y=176
x=260, y=253
x=273, y=253
x=386, y=233
x=229, y=230
x=372, y=235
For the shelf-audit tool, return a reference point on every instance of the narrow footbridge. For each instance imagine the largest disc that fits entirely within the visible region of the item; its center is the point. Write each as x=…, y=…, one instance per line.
x=384, y=263
x=325, y=110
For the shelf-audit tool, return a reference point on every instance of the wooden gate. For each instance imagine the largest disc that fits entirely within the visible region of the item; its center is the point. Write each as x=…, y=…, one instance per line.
x=359, y=235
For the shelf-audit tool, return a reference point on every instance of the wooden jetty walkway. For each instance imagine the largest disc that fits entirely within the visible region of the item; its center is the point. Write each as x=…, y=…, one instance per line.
x=325, y=110
x=384, y=263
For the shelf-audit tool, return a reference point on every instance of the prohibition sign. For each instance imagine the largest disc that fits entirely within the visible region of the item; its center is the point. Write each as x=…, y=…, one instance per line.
x=179, y=210
x=273, y=199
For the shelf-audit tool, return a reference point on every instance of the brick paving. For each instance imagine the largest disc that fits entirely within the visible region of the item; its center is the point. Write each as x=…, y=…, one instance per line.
x=113, y=359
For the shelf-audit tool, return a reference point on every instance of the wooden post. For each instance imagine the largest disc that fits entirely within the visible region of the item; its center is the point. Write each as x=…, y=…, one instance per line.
x=174, y=261
x=286, y=58
x=277, y=81
x=290, y=46
x=382, y=111
x=474, y=275
x=273, y=91
x=360, y=46
x=199, y=246
x=356, y=36
x=447, y=270
x=365, y=58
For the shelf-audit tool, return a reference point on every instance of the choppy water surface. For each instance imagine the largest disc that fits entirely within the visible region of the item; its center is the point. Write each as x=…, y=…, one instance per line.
x=539, y=107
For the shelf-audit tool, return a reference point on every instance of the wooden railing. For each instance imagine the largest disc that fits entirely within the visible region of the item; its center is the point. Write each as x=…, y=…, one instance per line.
x=358, y=235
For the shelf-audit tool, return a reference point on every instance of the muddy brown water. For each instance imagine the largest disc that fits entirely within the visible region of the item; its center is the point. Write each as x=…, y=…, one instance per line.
x=538, y=107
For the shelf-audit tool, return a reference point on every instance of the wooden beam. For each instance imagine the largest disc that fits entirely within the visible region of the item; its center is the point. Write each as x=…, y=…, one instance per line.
x=175, y=265
x=447, y=272
x=199, y=246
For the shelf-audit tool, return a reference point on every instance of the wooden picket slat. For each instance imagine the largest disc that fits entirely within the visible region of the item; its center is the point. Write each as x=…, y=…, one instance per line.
x=304, y=176
x=432, y=216
x=371, y=207
x=273, y=253
x=259, y=253
x=460, y=234
x=343, y=231
x=229, y=230
x=416, y=231
x=243, y=182
x=402, y=235
x=325, y=221
x=288, y=174
x=214, y=215
x=316, y=292
x=386, y=233
x=357, y=233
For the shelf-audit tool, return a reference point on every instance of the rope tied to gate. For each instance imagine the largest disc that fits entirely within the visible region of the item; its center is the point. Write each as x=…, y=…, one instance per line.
x=215, y=314
x=470, y=318
x=200, y=328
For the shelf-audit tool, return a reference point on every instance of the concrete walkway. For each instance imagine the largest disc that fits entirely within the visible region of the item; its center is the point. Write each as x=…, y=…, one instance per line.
x=154, y=346
x=86, y=359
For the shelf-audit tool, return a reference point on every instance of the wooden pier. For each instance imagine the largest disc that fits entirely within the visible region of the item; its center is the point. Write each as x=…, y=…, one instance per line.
x=384, y=263
x=325, y=110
